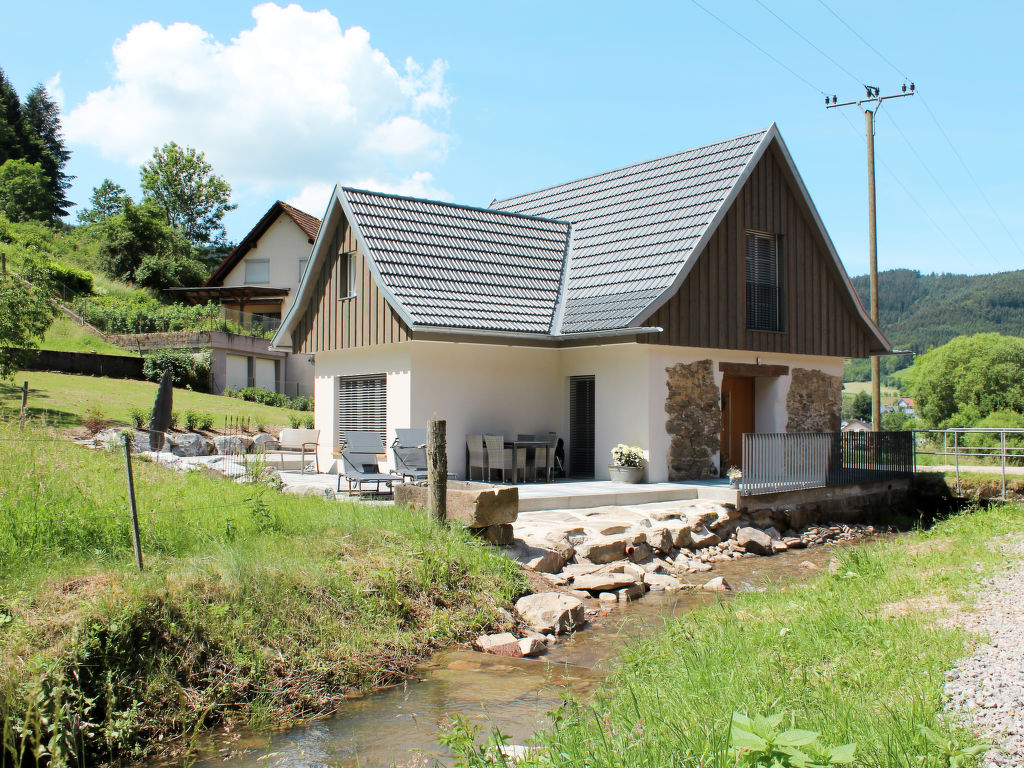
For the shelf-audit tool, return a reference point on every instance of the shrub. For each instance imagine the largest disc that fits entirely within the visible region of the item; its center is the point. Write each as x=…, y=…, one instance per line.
x=71, y=277
x=188, y=369
x=139, y=417
x=94, y=420
x=308, y=421
x=302, y=403
x=261, y=424
x=141, y=313
x=175, y=419
x=294, y=420
x=191, y=420
x=269, y=397
x=205, y=420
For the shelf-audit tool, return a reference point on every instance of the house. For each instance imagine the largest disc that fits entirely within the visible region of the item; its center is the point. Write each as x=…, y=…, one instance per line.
x=255, y=284
x=675, y=304
x=906, y=406
x=856, y=425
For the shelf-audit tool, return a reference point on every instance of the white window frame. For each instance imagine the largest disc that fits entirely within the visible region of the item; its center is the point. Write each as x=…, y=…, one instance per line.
x=252, y=263
x=350, y=284
x=366, y=413
x=303, y=263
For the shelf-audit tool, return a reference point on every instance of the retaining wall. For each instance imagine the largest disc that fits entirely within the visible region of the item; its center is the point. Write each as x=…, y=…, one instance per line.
x=89, y=363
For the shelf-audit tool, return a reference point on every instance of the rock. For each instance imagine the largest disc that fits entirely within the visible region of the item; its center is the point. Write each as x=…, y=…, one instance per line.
x=632, y=592
x=700, y=517
x=773, y=532
x=702, y=537
x=794, y=542
x=780, y=546
x=536, y=558
x=190, y=444
x=655, y=565
x=638, y=572
x=232, y=445
x=640, y=553
x=498, y=535
x=260, y=440
x=604, y=549
x=608, y=530
x=532, y=646
x=141, y=442
x=603, y=581
x=680, y=531
x=560, y=544
x=833, y=566
x=661, y=539
x=503, y=644
x=807, y=565
x=579, y=594
x=663, y=581
x=554, y=579
x=753, y=540
x=717, y=584
x=551, y=612
x=723, y=516
x=608, y=597
x=699, y=567
x=665, y=514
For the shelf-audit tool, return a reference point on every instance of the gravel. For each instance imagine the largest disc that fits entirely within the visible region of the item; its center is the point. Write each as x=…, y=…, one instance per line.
x=989, y=686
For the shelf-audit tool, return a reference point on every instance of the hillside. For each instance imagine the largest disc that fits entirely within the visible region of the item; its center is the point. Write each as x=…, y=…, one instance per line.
x=920, y=311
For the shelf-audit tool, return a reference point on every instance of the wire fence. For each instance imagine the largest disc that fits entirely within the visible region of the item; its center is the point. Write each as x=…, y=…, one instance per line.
x=971, y=449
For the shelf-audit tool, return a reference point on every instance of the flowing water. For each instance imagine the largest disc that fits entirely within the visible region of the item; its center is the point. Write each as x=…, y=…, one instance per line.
x=399, y=725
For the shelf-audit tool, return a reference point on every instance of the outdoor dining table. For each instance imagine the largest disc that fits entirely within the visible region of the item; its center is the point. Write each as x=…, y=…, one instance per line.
x=536, y=445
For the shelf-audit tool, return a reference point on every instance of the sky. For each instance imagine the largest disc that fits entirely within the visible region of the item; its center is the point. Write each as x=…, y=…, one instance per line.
x=469, y=102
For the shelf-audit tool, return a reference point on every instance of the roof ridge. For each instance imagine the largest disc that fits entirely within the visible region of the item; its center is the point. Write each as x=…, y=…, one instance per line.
x=628, y=166
x=477, y=208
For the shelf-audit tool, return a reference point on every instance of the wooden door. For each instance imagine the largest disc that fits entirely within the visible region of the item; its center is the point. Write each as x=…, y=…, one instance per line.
x=737, y=418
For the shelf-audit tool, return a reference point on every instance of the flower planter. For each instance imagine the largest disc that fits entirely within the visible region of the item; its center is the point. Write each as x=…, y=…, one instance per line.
x=627, y=474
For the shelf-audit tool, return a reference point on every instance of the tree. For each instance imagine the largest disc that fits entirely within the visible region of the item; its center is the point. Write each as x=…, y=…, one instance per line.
x=194, y=198
x=969, y=378
x=26, y=311
x=25, y=191
x=43, y=117
x=108, y=199
x=861, y=408
x=12, y=123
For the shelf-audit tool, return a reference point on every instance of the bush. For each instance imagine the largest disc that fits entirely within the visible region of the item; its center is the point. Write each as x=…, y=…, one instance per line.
x=294, y=420
x=198, y=420
x=188, y=369
x=139, y=417
x=74, y=279
x=308, y=421
x=175, y=419
x=141, y=313
x=269, y=397
x=302, y=403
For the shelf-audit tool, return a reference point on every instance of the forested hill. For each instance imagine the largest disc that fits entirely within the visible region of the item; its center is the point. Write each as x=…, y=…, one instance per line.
x=919, y=311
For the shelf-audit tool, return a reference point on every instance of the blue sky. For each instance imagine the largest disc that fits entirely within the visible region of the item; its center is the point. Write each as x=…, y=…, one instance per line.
x=506, y=98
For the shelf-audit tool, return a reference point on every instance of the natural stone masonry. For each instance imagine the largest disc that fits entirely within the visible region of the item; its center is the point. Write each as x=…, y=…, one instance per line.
x=694, y=408
x=989, y=685
x=814, y=401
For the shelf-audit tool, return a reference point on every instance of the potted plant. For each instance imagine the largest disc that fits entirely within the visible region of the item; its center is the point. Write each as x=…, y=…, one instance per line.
x=735, y=475
x=628, y=464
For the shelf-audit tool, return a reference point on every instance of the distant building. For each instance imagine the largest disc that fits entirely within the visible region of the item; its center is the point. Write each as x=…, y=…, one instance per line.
x=906, y=405
x=856, y=426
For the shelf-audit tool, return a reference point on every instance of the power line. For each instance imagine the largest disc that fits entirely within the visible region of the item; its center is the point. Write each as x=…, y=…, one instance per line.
x=880, y=55
x=813, y=45
x=735, y=31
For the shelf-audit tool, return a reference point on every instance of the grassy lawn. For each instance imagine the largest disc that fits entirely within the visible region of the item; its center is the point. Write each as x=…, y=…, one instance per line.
x=859, y=657
x=889, y=395
x=254, y=607
x=65, y=335
x=63, y=399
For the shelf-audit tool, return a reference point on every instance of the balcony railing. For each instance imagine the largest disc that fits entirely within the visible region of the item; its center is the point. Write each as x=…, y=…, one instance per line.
x=775, y=463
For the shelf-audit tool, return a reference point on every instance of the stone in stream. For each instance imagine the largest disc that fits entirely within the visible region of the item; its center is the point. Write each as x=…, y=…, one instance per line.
x=633, y=592
x=608, y=597
x=662, y=581
x=536, y=558
x=661, y=539
x=717, y=584
x=807, y=565
x=680, y=530
x=753, y=540
x=503, y=644
x=532, y=646
x=603, y=581
x=551, y=612
x=604, y=549
x=702, y=537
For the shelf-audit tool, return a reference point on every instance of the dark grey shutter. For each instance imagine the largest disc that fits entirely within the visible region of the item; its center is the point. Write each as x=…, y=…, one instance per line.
x=581, y=426
x=762, y=282
x=362, y=404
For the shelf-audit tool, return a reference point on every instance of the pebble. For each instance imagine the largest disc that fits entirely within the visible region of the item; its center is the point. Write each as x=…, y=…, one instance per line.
x=988, y=687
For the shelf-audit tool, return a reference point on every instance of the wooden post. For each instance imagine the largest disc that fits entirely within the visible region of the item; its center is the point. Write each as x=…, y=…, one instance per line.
x=24, y=403
x=131, y=500
x=437, y=469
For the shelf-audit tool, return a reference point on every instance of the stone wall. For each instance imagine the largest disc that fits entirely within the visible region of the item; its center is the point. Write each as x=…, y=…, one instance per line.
x=814, y=401
x=694, y=408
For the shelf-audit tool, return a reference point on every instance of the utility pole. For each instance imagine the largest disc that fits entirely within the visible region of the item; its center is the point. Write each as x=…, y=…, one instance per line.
x=874, y=103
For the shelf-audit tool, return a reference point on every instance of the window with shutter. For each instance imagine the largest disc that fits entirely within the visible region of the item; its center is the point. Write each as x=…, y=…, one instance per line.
x=362, y=404
x=762, y=282
x=581, y=426
x=257, y=270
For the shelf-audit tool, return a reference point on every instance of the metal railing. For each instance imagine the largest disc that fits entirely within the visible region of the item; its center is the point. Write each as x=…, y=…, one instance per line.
x=972, y=449
x=775, y=463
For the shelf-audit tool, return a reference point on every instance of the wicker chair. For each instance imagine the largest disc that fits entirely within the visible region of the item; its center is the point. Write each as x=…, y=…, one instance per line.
x=477, y=456
x=500, y=459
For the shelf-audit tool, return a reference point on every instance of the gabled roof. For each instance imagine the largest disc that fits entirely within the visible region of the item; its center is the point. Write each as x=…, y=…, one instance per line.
x=310, y=225
x=635, y=227
x=455, y=266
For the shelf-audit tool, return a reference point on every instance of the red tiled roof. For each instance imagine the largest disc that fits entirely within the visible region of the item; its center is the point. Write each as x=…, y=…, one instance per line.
x=308, y=224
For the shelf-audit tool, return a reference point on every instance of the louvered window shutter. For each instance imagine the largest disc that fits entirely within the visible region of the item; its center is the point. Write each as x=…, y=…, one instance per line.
x=762, y=282
x=581, y=426
x=362, y=404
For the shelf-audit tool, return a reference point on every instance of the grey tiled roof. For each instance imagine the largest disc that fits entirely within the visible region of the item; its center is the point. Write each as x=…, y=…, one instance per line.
x=634, y=228
x=461, y=267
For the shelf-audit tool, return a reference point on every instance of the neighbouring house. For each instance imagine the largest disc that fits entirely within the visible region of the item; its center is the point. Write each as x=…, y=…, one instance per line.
x=856, y=425
x=255, y=285
x=906, y=406
x=675, y=304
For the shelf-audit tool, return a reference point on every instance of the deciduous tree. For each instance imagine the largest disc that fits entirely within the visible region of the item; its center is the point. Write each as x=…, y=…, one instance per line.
x=26, y=311
x=25, y=193
x=108, y=199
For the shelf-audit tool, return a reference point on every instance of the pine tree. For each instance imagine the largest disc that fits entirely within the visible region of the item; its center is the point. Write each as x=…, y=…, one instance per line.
x=43, y=118
x=12, y=122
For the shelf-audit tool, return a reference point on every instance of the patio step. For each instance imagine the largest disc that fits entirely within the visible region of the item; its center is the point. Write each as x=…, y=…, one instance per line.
x=581, y=498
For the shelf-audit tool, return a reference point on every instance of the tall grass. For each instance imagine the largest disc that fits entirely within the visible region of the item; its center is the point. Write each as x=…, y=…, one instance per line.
x=858, y=656
x=253, y=605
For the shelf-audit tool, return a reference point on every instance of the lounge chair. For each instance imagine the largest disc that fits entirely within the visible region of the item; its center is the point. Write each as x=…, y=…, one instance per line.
x=410, y=452
x=359, y=458
x=291, y=441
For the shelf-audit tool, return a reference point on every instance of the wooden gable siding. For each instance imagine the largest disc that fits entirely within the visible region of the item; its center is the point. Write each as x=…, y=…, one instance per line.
x=361, y=321
x=817, y=314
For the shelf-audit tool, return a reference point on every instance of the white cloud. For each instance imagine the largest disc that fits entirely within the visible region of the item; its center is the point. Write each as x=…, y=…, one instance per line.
x=56, y=91
x=313, y=197
x=295, y=101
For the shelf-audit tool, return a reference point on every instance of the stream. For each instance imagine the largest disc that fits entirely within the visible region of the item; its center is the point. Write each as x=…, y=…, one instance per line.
x=398, y=725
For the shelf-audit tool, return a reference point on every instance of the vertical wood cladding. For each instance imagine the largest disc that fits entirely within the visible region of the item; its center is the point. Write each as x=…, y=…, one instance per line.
x=363, y=320
x=817, y=314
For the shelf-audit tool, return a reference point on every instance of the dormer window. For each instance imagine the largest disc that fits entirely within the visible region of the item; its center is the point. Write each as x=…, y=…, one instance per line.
x=762, y=282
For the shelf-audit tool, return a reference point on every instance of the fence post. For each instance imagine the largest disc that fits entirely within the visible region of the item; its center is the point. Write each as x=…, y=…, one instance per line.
x=131, y=500
x=24, y=404
x=1002, y=442
x=437, y=473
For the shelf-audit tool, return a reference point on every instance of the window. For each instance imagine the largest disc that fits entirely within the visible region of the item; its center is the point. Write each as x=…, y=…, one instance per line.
x=302, y=266
x=346, y=281
x=362, y=404
x=257, y=270
x=762, y=282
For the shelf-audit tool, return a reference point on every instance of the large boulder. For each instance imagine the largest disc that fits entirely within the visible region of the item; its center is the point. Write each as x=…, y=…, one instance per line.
x=232, y=445
x=680, y=530
x=260, y=441
x=551, y=612
x=475, y=505
x=754, y=540
x=602, y=581
x=190, y=444
x=503, y=644
x=702, y=515
x=661, y=539
x=702, y=537
x=723, y=516
x=604, y=549
x=537, y=558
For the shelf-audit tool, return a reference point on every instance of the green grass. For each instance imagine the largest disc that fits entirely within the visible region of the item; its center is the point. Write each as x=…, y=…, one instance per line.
x=63, y=399
x=858, y=657
x=65, y=335
x=889, y=395
x=254, y=606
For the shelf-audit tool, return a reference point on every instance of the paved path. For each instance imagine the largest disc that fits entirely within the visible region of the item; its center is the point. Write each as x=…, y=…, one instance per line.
x=990, y=684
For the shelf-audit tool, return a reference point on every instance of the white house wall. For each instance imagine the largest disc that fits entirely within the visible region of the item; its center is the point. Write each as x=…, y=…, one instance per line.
x=284, y=244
